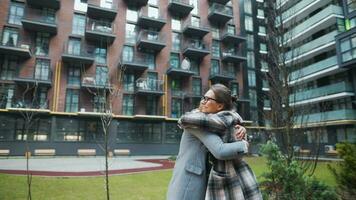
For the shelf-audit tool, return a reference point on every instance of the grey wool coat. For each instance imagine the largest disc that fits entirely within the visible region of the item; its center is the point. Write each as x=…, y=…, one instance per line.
x=188, y=181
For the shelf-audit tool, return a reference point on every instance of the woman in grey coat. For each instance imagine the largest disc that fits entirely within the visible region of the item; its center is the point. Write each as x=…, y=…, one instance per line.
x=189, y=178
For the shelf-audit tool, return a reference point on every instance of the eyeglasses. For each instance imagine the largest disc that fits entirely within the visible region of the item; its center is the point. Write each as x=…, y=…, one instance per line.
x=206, y=99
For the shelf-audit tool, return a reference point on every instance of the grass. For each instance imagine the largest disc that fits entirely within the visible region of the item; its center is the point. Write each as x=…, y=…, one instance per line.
x=143, y=186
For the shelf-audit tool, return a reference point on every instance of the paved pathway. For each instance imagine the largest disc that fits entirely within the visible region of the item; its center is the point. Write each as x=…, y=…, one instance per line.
x=83, y=166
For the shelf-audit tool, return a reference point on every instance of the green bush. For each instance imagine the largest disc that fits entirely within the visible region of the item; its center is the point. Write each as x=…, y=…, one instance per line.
x=346, y=174
x=286, y=180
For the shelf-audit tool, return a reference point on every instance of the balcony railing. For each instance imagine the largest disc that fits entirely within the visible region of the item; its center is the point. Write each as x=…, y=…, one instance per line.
x=135, y=62
x=221, y=75
x=14, y=45
x=150, y=20
x=38, y=20
x=149, y=86
x=335, y=115
x=233, y=56
x=82, y=54
x=230, y=36
x=54, y=4
x=194, y=27
x=29, y=104
x=94, y=82
x=181, y=8
x=219, y=13
x=151, y=40
x=195, y=48
x=40, y=78
x=100, y=31
x=101, y=10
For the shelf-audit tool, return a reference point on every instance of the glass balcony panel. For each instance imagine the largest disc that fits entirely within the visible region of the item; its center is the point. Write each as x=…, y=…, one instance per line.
x=40, y=20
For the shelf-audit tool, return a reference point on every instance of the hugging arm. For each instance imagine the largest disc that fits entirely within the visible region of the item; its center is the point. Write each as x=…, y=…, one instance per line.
x=219, y=149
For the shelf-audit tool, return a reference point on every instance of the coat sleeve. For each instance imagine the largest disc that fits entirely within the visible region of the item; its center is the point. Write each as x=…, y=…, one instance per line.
x=212, y=123
x=219, y=149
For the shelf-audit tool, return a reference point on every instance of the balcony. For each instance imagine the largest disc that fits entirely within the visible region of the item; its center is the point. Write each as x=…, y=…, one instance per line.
x=308, y=50
x=15, y=47
x=37, y=79
x=335, y=115
x=322, y=20
x=325, y=93
x=136, y=3
x=92, y=82
x=179, y=70
x=194, y=28
x=100, y=10
x=101, y=32
x=316, y=70
x=195, y=49
x=54, y=4
x=180, y=8
x=77, y=55
x=151, y=41
x=146, y=86
x=224, y=2
x=219, y=14
x=223, y=76
x=233, y=57
x=177, y=94
x=149, y=20
x=36, y=20
x=229, y=36
x=137, y=62
x=31, y=105
x=346, y=53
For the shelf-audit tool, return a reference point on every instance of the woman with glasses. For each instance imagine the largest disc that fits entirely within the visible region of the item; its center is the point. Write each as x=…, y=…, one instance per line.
x=203, y=131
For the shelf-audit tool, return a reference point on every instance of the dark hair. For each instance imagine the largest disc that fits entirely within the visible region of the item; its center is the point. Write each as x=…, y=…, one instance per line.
x=223, y=95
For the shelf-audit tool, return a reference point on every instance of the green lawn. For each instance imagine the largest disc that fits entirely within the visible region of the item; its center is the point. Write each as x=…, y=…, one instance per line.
x=149, y=185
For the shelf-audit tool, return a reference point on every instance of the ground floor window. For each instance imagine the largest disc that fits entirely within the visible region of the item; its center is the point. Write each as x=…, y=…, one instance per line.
x=139, y=132
x=173, y=133
x=78, y=130
x=7, y=128
x=34, y=130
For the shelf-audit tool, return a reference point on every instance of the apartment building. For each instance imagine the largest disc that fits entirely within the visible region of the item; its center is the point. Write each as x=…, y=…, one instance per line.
x=60, y=61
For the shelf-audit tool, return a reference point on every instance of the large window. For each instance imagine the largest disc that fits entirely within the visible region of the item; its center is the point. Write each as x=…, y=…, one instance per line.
x=42, y=69
x=81, y=5
x=250, y=42
x=235, y=89
x=174, y=60
x=16, y=13
x=100, y=55
x=8, y=68
x=74, y=46
x=250, y=59
x=153, y=12
x=248, y=23
x=215, y=67
x=73, y=130
x=248, y=7
x=72, y=100
x=7, y=128
x=129, y=82
x=351, y=5
x=127, y=54
x=131, y=15
x=128, y=104
x=73, y=76
x=130, y=33
x=194, y=66
x=176, y=24
x=38, y=130
x=177, y=107
x=42, y=44
x=139, y=132
x=101, y=75
x=215, y=49
x=150, y=59
x=348, y=48
x=6, y=94
x=196, y=86
x=99, y=103
x=251, y=78
x=176, y=38
x=78, y=26
x=253, y=98
x=10, y=37
x=173, y=133
x=195, y=10
x=151, y=105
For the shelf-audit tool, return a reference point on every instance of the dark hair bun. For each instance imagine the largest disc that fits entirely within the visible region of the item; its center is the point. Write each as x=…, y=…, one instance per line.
x=234, y=98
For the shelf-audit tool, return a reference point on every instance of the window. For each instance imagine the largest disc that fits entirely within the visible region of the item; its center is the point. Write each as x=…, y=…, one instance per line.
x=215, y=67
x=152, y=2
x=250, y=42
x=194, y=66
x=127, y=54
x=38, y=131
x=16, y=13
x=263, y=47
x=101, y=76
x=42, y=44
x=196, y=7
x=248, y=7
x=131, y=15
x=173, y=133
x=235, y=89
x=73, y=130
x=73, y=76
x=195, y=21
x=8, y=67
x=128, y=105
x=215, y=32
x=351, y=5
x=251, y=78
x=139, y=132
x=151, y=105
x=106, y=4
x=42, y=69
x=49, y=15
x=348, y=48
x=250, y=59
x=74, y=46
x=130, y=33
x=7, y=128
x=231, y=29
x=80, y=5
x=10, y=37
x=42, y=98
x=174, y=60
x=262, y=30
x=72, y=100
x=6, y=94
x=99, y=103
x=176, y=38
x=150, y=59
x=176, y=24
x=78, y=26
x=176, y=108
x=248, y=23
x=230, y=69
x=253, y=98
x=152, y=79
x=215, y=49
x=196, y=86
x=260, y=13
x=100, y=55
x=153, y=12
x=176, y=87
x=129, y=82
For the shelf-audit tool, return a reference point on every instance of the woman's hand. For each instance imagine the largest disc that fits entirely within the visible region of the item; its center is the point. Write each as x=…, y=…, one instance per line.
x=240, y=133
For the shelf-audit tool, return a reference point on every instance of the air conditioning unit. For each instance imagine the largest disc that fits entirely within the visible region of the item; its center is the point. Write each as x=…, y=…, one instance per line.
x=328, y=148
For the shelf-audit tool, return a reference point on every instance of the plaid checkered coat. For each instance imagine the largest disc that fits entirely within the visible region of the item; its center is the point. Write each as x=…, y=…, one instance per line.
x=229, y=179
